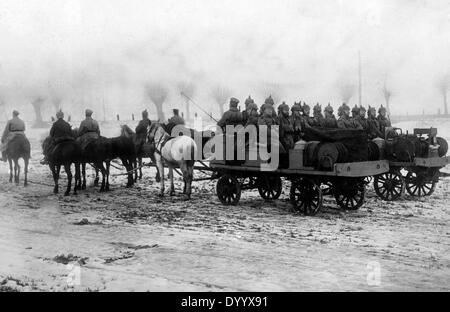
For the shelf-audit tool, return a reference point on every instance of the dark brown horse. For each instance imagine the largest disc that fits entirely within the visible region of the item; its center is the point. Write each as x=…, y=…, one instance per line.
x=18, y=147
x=145, y=150
x=64, y=154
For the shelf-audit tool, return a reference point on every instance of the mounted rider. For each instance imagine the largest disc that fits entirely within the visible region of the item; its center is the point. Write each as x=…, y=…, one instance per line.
x=13, y=128
x=232, y=116
x=60, y=131
x=330, y=121
x=141, y=131
x=89, y=130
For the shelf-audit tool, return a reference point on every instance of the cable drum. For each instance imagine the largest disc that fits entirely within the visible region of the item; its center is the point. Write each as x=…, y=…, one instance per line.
x=311, y=153
x=331, y=153
x=374, y=151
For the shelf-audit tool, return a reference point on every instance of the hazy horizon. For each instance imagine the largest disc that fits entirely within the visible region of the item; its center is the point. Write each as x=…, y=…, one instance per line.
x=92, y=52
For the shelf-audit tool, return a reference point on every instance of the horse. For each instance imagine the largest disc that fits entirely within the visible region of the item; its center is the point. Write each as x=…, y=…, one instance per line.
x=174, y=152
x=18, y=147
x=146, y=150
x=64, y=154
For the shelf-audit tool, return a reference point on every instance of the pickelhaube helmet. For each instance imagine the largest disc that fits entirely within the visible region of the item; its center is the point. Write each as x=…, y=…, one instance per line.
x=381, y=109
x=59, y=114
x=252, y=106
x=362, y=109
x=305, y=107
x=317, y=108
x=283, y=106
x=342, y=108
x=371, y=110
x=329, y=108
x=269, y=100
x=355, y=109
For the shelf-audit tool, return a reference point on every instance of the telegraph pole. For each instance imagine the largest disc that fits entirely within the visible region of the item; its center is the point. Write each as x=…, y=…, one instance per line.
x=359, y=79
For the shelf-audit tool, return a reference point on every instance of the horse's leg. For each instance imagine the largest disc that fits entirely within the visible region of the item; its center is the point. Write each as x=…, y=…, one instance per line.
x=55, y=172
x=100, y=166
x=96, y=177
x=187, y=171
x=77, y=178
x=16, y=170
x=160, y=166
x=172, y=187
x=26, y=160
x=69, y=178
x=108, y=165
x=158, y=175
x=10, y=170
x=83, y=170
x=140, y=168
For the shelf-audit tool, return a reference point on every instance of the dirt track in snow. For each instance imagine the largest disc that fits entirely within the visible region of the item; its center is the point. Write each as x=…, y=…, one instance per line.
x=129, y=239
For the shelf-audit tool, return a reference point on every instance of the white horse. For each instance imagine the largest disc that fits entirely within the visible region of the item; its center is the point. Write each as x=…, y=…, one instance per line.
x=173, y=152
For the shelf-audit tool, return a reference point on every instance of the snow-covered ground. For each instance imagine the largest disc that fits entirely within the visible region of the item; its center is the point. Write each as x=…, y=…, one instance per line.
x=129, y=239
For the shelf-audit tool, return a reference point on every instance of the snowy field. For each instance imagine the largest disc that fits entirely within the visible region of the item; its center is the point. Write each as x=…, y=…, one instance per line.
x=131, y=240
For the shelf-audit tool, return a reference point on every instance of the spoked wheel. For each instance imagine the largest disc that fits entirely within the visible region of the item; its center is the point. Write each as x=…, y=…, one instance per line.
x=389, y=186
x=269, y=187
x=349, y=193
x=306, y=196
x=368, y=180
x=228, y=190
x=420, y=184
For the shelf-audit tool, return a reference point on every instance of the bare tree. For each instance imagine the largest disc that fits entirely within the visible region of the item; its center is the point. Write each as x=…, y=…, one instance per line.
x=387, y=93
x=158, y=95
x=221, y=95
x=188, y=89
x=346, y=91
x=38, y=102
x=443, y=85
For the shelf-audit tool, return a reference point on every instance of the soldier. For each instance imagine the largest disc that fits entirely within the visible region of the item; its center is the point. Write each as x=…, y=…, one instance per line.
x=355, y=112
x=268, y=120
x=231, y=117
x=141, y=131
x=306, y=118
x=373, y=124
x=297, y=121
x=245, y=113
x=61, y=131
x=252, y=114
x=268, y=103
x=286, y=133
x=330, y=120
x=14, y=126
x=89, y=130
x=344, y=121
x=318, y=120
x=383, y=119
x=361, y=119
x=174, y=121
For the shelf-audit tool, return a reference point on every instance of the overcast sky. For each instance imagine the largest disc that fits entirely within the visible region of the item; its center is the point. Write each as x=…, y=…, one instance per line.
x=109, y=49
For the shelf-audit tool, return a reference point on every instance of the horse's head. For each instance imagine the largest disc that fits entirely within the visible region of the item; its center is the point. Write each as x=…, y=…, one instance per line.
x=126, y=131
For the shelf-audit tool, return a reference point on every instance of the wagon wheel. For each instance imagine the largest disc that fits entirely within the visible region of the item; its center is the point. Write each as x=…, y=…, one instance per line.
x=368, y=180
x=306, y=196
x=420, y=184
x=228, y=190
x=349, y=194
x=389, y=186
x=269, y=187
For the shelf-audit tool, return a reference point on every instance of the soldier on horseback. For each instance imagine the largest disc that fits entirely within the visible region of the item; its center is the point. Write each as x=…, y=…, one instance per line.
x=14, y=127
x=141, y=131
x=89, y=130
x=61, y=131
